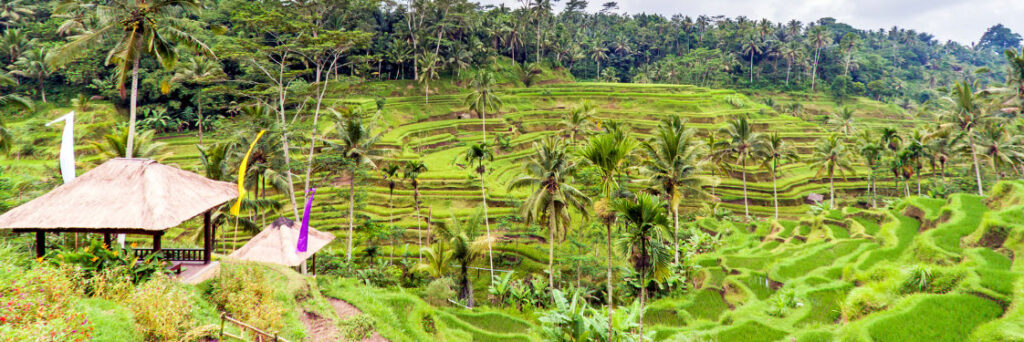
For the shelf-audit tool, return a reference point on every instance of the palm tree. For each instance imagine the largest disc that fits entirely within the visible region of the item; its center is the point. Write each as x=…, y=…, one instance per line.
x=772, y=150
x=942, y=145
x=739, y=145
x=199, y=70
x=598, y=54
x=465, y=249
x=32, y=64
x=142, y=28
x=391, y=173
x=548, y=173
x=790, y=52
x=483, y=98
x=844, y=119
x=820, y=37
x=831, y=157
x=15, y=41
x=357, y=147
x=115, y=145
x=999, y=148
x=967, y=113
x=478, y=153
x=578, y=120
x=411, y=171
x=428, y=63
x=674, y=162
x=751, y=46
x=849, y=44
x=915, y=150
x=607, y=152
x=1015, y=78
x=871, y=150
x=644, y=223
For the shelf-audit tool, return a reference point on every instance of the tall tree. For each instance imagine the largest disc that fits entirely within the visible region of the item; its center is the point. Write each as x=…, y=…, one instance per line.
x=140, y=27
x=391, y=172
x=428, y=64
x=644, y=225
x=607, y=152
x=844, y=119
x=871, y=151
x=32, y=64
x=199, y=70
x=479, y=153
x=849, y=44
x=771, y=151
x=739, y=143
x=357, y=140
x=831, y=158
x=549, y=173
x=411, y=171
x=751, y=45
x=820, y=37
x=966, y=114
x=578, y=120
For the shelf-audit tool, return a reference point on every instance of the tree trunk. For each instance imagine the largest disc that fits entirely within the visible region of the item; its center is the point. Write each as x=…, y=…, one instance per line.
x=746, y=205
x=751, y=66
x=847, y=72
x=775, y=191
x=351, y=213
x=874, y=192
x=551, y=245
x=391, y=221
x=487, y=223
x=42, y=89
x=611, y=302
x=675, y=217
x=643, y=294
x=287, y=151
x=419, y=237
x=789, y=67
x=977, y=170
x=199, y=106
x=814, y=70
x=919, y=181
x=832, y=191
x=129, y=147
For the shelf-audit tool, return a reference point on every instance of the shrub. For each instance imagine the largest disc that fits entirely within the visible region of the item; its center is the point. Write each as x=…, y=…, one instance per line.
x=36, y=305
x=357, y=328
x=246, y=295
x=439, y=291
x=163, y=311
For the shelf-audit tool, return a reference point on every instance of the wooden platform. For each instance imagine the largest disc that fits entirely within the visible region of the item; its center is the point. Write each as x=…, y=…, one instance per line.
x=194, y=272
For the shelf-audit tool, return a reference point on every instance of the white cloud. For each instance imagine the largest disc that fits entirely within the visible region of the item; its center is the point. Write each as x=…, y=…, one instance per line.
x=963, y=21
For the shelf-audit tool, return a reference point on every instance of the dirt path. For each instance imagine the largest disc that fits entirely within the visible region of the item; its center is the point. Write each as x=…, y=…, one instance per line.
x=320, y=329
x=346, y=310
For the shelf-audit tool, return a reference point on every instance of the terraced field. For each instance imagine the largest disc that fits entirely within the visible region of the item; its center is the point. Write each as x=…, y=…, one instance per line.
x=440, y=131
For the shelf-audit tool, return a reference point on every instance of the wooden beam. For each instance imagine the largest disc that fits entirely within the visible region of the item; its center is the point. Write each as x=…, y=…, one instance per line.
x=107, y=238
x=207, y=237
x=91, y=231
x=157, y=242
x=40, y=244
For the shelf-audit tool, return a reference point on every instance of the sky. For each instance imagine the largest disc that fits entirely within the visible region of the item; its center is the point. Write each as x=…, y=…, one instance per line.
x=962, y=21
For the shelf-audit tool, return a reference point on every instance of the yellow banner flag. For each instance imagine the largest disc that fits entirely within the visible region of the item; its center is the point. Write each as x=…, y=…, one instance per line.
x=241, y=175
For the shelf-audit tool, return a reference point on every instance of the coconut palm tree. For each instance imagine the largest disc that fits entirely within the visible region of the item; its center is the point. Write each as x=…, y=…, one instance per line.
x=141, y=27
x=771, y=151
x=791, y=52
x=548, y=175
x=819, y=37
x=10, y=100
x=482, y=98
x=479, y=153
x=15, y=42
x=967, y=114
x=199, y=70
x=357, y=140
x=674, y=162
x=751, y=45
x=578, y=120
x=915, y=150
x=429, y=63
x=607, y=152
x=411, y=171
x=390, y=174
x=871, y=150
x=465, y=249
x=739, y=143
x=1015, y=79
x=598, y=53
x=831, y=158
x=643, y=225
x=891, y=139
x=843, y=119
x=32, y=64
x=942, y=145
x=1000, y=148
x=114, y=145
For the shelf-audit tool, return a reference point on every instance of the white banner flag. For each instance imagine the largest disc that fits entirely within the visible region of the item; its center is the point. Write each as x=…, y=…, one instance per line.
x=67, y=146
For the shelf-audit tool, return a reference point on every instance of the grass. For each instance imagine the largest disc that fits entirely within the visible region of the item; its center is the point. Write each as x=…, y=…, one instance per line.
x=114, y=322
x=936, y=318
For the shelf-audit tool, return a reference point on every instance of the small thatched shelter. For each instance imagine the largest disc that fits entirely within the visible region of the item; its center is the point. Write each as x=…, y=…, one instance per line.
x=125, y=196
x=276, y=244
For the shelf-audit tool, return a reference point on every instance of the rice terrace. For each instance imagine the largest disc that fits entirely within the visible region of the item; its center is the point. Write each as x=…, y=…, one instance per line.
x=447, y=170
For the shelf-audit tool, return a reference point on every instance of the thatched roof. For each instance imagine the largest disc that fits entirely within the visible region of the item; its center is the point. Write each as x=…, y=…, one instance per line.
x=276, y=244
x=129, y=194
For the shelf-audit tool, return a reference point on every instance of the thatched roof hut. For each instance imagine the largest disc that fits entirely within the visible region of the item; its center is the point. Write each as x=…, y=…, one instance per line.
x=130, y=194
x=276, y=244
x=125, y=196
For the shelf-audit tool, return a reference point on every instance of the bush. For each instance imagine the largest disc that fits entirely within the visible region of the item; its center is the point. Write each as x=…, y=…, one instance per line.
x=163, y=311
x=439, y=291
x=357, y=328
x=245, y=294
x=36, y=305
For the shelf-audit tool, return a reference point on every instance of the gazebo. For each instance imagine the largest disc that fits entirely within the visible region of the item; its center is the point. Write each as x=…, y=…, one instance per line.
x=126, y=196
x=276, y=244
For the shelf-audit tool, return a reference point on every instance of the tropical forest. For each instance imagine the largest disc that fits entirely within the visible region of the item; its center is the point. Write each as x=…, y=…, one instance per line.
x=448, y=170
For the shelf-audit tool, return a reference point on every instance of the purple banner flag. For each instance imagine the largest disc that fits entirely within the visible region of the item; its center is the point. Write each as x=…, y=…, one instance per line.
x=304, y=230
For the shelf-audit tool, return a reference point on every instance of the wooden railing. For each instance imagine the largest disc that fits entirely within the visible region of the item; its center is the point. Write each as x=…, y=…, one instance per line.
x=174, y=254
x=258, y=335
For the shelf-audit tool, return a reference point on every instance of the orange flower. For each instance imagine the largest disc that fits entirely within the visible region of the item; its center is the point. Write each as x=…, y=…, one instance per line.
x=134, y=244
x=95, y=258
x=39, y=259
